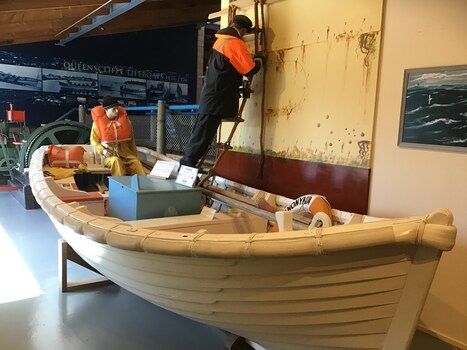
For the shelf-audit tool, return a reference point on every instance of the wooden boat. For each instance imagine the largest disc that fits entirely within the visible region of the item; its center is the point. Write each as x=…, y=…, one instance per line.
x=348, y=286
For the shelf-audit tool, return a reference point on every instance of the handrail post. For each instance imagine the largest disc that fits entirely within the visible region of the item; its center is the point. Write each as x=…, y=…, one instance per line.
x=161, y=115
x=82, y=114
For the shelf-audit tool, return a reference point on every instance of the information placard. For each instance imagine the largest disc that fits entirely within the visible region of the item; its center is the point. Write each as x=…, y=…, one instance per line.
x=187, y=176
x=162, y=169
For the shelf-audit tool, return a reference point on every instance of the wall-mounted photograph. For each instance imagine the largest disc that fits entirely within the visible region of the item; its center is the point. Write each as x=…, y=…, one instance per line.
x=434, y=108
x=178, y=93
x=124, y=87
x=158, y=90
x=20, y=77
x=68, y=82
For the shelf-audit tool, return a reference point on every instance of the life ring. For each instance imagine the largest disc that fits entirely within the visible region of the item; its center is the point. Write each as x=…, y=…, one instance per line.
x=317, y=206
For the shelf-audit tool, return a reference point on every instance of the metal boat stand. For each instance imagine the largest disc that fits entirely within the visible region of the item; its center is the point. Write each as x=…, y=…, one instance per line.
x=235, y=342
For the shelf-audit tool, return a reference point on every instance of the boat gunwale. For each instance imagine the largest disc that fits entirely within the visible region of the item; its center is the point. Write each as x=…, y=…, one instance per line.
x=435, y=230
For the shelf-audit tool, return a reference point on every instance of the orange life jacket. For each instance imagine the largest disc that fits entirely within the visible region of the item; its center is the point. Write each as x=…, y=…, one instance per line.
x=65, y=158
x=116, y=130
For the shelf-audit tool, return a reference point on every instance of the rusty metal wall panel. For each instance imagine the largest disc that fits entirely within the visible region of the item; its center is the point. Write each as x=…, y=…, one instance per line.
x=321, y=82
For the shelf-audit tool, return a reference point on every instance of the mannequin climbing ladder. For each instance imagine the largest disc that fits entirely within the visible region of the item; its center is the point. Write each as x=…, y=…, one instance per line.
x=245, y=92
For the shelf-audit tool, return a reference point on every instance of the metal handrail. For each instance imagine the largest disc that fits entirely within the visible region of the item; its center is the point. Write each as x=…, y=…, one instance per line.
x=63, y=117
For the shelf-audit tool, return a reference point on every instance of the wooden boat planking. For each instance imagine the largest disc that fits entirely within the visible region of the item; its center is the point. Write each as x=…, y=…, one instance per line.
x=358, y=286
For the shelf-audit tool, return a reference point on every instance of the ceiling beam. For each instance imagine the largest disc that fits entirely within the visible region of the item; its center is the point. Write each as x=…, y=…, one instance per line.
x=49, y=28
x=18, y=5
x=32, y=38
x=26, y=18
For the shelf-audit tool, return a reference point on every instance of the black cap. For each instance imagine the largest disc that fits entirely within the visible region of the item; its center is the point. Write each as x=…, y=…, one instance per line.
x=109, y=101
x=242, y=21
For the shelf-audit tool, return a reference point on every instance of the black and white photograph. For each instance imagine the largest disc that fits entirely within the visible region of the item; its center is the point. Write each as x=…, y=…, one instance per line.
x=178, y=93
x=158, y=90
x=20, y=77
x=74, y=83
x=124, y=87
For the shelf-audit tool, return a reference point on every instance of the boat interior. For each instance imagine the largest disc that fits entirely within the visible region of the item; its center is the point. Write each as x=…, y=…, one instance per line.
x=86, y=188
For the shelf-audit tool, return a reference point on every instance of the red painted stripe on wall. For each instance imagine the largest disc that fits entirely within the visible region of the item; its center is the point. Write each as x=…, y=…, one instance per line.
x=346, y=188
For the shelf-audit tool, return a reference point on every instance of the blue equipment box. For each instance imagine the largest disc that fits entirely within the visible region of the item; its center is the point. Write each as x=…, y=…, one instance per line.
x=143, y=197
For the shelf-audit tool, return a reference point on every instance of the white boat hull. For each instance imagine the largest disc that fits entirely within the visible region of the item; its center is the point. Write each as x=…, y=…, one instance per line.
x=358, y=286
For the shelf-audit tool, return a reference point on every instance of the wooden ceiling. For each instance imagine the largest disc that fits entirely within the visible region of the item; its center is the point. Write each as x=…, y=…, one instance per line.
x=29, y=21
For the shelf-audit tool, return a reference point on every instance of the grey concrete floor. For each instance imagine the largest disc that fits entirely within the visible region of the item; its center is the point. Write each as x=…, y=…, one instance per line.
x=93, y=319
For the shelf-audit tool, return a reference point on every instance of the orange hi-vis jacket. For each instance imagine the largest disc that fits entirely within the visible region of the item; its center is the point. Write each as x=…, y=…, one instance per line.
x=229, y=61
x=236, y=51
x=116, y=130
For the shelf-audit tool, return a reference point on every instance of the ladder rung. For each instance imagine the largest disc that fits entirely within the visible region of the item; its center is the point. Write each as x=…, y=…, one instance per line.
x=206, y=171
x=221, y=145
x=233, y=120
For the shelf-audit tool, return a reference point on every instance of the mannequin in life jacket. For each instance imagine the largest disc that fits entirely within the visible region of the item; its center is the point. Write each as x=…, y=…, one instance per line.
x=112, y=137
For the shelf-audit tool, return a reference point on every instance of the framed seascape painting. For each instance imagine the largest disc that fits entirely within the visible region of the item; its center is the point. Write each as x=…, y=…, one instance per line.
x=434, y=108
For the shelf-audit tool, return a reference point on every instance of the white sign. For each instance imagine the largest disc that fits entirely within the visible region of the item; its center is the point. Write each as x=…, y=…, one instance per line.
x=208, y=212
x=162, y=169
x=187, y=176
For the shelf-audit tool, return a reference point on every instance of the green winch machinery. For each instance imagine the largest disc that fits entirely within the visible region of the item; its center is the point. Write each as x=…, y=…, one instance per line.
x=18, y=144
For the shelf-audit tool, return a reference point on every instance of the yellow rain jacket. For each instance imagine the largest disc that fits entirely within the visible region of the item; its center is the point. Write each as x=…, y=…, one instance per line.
x=119, y=151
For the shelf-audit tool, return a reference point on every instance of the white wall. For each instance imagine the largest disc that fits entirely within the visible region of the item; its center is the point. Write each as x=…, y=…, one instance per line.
x=423, y=33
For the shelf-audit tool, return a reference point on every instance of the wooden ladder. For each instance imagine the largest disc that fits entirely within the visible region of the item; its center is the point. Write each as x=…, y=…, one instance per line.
x=245, y=92
x=222, y=147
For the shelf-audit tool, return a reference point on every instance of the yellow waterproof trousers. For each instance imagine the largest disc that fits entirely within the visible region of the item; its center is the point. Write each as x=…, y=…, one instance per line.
x=120, y=167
